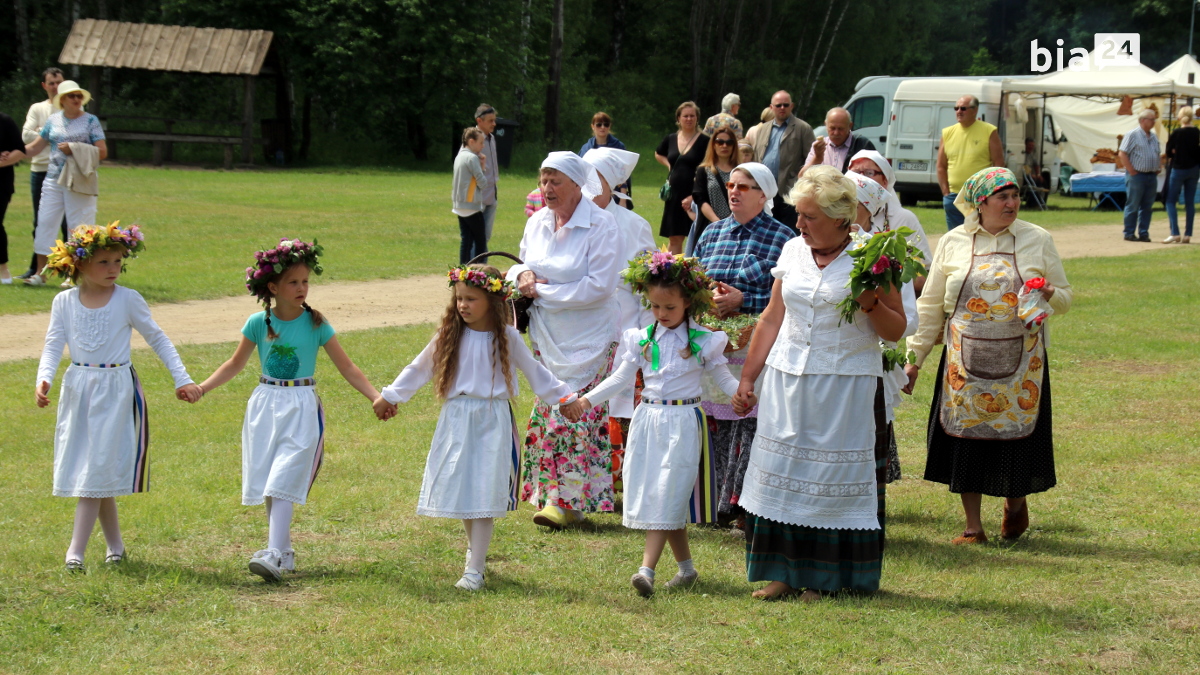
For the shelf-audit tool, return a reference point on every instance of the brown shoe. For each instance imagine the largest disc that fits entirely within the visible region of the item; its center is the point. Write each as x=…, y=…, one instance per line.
x=1014, y=524
x=970, y=538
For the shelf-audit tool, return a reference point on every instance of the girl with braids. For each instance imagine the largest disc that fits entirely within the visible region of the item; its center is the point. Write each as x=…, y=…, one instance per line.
x=283, y=436
x=472, y=472
x=667, y=472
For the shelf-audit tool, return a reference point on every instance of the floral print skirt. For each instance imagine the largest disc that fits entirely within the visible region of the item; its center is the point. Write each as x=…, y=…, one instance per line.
x=569, y=465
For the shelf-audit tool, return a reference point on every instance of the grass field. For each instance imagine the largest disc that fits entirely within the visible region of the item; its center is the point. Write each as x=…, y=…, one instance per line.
x=202, y=225
x=1106, y=581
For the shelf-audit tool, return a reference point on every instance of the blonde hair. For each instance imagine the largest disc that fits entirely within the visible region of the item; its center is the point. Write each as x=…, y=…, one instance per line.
x=471, y=134
x=767, y=115
x=834, y=193
x=684, y=106
x=1185, y=115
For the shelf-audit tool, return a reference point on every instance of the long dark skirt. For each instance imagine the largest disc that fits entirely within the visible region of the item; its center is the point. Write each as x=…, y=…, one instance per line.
x=995, y=468
x=817, y=558
x=731, y=441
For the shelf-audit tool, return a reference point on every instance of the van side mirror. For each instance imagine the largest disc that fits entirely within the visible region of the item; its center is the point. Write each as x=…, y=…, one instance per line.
x=1061, y=139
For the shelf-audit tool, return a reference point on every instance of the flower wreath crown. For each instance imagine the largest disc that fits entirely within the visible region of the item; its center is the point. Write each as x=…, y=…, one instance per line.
x=274, y=261
x=663, y=265
x=480, y=279
x=85, y=240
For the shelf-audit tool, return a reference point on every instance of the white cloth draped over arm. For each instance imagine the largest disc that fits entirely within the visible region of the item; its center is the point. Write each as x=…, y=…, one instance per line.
x=414, y=376
x=541, y=380
x=56, y=340
x=139, y=318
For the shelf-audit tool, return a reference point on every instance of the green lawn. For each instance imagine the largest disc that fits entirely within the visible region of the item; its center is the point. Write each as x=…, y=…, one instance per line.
x=1105, y=581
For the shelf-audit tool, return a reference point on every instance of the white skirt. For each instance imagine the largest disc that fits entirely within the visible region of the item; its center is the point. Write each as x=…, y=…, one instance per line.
x=283, y=443
x=813, y=459
x=101, y=440
x=474, y=461
x=662, y=461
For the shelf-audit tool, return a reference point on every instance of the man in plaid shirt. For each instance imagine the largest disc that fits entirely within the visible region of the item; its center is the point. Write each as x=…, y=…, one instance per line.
x=741, y=254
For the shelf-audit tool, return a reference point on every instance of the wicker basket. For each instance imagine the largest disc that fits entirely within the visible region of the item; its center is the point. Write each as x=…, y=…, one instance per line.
x=743, y=337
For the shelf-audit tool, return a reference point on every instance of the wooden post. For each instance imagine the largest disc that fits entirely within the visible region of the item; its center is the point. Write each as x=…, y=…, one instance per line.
x=248, y=120
x=228, y=156
x=158, y=153
x=169, y=151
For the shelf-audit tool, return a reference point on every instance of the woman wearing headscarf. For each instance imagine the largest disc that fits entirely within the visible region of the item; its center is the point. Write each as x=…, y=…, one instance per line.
x=894, y=216
x=77, y=146
x=871, y=219
x=739, y=253
x=570, y=249
x=990, y=427
x=814, y=491
x=634, y=236
x=681, y=152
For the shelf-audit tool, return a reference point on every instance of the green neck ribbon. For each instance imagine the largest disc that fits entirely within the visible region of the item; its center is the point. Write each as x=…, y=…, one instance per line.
x=693, y=334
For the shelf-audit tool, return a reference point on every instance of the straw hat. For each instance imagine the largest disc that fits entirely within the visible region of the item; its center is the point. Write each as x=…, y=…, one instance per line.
x=70, y=87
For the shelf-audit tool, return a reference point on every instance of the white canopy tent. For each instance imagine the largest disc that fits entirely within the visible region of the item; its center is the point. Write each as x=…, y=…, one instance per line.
x=1185, y=70
x=1084, y=104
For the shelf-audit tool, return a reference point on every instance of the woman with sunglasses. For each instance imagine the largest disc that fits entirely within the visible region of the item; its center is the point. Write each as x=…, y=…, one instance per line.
x=739, y=253
x=603, y=138
x=708, y=192
x=66, y=133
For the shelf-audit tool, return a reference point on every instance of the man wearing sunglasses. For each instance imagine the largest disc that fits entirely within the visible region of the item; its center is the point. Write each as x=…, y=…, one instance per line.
x=967, y=147
x=782, y=148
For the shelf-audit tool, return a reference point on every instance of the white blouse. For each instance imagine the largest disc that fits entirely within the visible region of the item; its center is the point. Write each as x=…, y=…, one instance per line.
x=635, y=237
x=810, y=340
x=580, y=261
x=676, y=377
x=101, y=336
x=479, y=374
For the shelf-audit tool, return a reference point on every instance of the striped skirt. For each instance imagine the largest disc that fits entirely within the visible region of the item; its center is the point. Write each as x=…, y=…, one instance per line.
x=818, y=558
x=102, y=439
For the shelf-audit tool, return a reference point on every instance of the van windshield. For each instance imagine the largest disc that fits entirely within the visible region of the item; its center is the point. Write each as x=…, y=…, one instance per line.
x=867, y=112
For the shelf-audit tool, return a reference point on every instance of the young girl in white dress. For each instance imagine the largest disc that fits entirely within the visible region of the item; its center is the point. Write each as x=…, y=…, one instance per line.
x=668, y=434
x=283, y=436
x=101, y=442
x=473, y=469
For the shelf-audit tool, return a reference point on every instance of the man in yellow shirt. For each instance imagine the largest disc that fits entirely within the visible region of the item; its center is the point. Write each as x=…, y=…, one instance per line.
x=967, y=147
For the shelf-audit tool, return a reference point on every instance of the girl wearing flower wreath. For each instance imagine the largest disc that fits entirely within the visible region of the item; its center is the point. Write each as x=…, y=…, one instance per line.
x=283, y=435
x=667, y=475
x=473, y=469
x=101, y=442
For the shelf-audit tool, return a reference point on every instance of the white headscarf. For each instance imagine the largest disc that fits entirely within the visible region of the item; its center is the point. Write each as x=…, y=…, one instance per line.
x=884, y=166
x=765, y=179
x=616, y=166
x=580, y=172
x=870, y=194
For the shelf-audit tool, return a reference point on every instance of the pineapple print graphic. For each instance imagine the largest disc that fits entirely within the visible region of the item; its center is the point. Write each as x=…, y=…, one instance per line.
x=282, y=362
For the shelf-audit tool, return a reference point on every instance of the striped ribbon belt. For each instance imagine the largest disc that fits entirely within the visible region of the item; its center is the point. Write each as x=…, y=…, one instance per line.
x=677, y=401
x=100, y=365
x=303, y=382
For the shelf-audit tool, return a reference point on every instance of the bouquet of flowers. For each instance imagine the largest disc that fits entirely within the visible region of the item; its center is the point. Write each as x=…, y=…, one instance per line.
x=1032, y=307
x=738, y=327
x=882, y=260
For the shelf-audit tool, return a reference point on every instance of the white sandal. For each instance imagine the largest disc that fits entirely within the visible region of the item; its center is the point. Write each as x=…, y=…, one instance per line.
x=36, y=280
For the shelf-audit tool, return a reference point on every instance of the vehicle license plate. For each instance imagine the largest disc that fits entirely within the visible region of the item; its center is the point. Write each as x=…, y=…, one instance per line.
x=914, y=166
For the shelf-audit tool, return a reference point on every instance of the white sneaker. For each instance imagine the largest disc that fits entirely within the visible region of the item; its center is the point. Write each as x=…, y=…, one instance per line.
x=287, y=560
x=470, y=581
x=265, y=564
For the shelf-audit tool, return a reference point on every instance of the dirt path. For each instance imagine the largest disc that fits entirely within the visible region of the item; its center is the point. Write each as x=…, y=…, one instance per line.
x=371, y=304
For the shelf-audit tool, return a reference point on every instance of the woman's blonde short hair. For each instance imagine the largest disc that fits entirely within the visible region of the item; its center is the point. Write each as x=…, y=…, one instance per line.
x=1185, y=114
x=834, y=193
x=767, y=114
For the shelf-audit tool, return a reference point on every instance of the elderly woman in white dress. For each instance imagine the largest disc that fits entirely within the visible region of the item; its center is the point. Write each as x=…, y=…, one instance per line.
x=614, y=167
x=570, y=249
x=813, y=491
x=872, y=219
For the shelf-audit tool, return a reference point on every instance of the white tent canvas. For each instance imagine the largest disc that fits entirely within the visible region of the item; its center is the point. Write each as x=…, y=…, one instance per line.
x=1185, y=70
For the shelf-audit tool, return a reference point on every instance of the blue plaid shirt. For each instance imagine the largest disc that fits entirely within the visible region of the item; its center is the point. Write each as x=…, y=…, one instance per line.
x=744, y=255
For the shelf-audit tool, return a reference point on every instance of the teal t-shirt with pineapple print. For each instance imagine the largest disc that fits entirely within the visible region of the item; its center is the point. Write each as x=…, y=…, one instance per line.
x=293, y=354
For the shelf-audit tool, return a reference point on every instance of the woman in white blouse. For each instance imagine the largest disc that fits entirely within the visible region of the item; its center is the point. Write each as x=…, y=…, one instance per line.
x=990, y=429
x=814, y=489
x=570, y=249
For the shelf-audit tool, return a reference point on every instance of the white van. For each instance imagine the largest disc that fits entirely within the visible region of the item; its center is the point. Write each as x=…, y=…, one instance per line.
x=922, y=107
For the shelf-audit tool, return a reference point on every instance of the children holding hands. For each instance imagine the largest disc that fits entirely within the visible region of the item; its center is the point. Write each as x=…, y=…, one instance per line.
x=101, y=441
x=664, y=489
x=283, y=435
x=473, y=469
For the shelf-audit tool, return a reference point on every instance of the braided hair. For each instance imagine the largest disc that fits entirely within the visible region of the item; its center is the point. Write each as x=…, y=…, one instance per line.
x=316, y=317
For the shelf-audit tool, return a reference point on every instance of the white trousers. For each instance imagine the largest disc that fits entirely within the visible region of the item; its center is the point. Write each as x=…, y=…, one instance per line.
x=58, y=201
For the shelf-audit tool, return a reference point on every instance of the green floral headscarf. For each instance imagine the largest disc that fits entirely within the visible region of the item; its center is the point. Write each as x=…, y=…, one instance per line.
x=981, y=185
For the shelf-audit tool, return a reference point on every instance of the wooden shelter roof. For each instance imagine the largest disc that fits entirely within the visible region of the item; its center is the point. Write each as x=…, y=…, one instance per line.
x=187, y=49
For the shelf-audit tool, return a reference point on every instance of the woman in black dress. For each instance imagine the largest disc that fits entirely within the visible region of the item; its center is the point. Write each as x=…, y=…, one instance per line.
x=681, y=152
